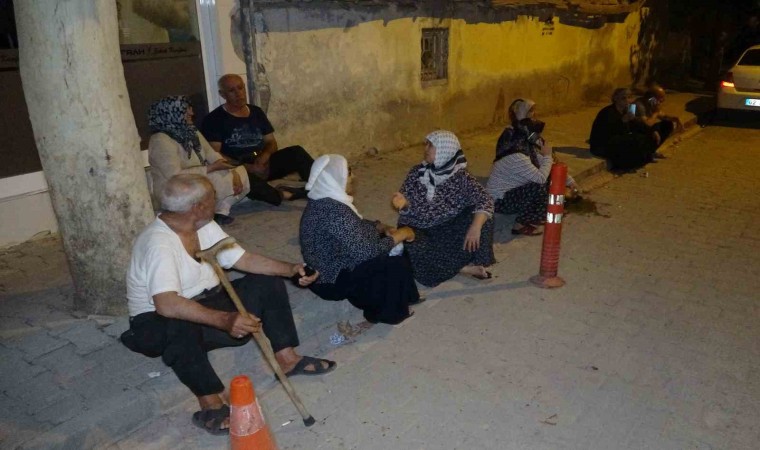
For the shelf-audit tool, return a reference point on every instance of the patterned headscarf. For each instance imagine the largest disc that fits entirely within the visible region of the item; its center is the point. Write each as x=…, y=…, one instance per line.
x=515, y=138
x=449, y=159
x=168, y=116
x=328, y=179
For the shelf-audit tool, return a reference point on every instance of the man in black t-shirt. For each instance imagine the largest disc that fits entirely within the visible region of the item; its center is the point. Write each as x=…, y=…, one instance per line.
x=243, y=134
x=617, y=135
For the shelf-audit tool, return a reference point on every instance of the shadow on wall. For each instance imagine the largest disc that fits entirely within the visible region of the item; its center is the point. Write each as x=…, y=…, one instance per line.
x=651, y=33
x=465, y=111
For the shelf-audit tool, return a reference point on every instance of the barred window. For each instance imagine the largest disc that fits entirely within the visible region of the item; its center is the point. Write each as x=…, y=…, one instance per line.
x=435, y=54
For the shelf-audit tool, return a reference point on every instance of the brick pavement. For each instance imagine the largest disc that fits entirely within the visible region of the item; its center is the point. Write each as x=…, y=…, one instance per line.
x=67, y=383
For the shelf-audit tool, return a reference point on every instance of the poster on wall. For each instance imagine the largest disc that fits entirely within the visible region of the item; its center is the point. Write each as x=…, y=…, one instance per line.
x=148, y=29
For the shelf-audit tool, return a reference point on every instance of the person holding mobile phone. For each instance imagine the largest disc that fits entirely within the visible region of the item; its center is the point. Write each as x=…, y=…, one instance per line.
x=650, y=112
x=520, y=172
x=621, y=136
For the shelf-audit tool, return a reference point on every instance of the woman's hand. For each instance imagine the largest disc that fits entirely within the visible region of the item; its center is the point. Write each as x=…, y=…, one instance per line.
x=237, y=183
x=546, y=149
x=304, y=280
x=384, y=229
x=472, y=238
x=399, y=202
x=403, y=234
x=219, y=164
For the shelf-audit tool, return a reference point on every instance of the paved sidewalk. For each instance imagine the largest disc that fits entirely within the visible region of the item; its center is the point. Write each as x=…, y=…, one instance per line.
x=67, y=382
x=652, y=344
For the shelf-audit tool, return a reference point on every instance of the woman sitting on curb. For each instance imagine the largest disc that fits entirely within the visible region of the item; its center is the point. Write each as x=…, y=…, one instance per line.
x=352, y=253
x=177, y=147
x=518, y=180
x=450, y=212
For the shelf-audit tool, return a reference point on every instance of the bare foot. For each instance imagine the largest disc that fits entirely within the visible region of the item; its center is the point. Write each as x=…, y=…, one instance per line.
x=479, y=272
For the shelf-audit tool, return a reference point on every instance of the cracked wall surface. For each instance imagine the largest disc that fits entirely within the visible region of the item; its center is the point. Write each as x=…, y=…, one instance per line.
x=345, y=76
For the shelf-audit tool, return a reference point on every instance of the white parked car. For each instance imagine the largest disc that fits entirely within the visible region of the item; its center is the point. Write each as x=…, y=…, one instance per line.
x=740, y=88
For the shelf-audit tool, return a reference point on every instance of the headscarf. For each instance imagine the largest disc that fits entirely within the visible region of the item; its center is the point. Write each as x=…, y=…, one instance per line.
x=517, y=140
x=328, y=179
x=168, y=116
x=522, y=108
x=449, y=159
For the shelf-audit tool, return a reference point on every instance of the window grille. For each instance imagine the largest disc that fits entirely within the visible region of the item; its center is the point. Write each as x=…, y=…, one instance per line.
x=435, y=54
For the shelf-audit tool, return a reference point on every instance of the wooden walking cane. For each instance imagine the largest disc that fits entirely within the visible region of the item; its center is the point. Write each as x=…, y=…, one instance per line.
x=209, y=255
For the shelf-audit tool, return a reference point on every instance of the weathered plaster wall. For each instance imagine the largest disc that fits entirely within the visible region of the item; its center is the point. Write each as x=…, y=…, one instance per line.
x=357, y=83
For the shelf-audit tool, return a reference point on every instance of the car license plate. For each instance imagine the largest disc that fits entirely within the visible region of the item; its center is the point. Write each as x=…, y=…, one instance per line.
x=752, y=102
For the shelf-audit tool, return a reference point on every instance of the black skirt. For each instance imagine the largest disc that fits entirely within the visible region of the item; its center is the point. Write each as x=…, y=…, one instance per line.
x=382, y=287
x=437, y=252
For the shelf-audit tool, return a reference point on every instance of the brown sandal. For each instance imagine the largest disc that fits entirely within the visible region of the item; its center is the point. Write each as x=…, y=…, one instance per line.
x=527, y=230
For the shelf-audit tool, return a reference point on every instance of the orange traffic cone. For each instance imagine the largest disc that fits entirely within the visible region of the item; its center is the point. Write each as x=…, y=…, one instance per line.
x=248, y=431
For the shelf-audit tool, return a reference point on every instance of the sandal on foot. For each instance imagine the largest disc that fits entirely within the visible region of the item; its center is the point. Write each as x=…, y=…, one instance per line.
x=300, y=368
x=211, y=420
x=488, y=275
x=527, y=230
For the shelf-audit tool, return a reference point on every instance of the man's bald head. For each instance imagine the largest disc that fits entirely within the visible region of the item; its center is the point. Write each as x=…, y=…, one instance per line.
x=228, y=78
x=232, y=90
x=656, y=91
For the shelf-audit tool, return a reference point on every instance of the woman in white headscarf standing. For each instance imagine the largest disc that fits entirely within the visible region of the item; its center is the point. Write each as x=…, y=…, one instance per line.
x=518, y=180
x=450, y=213
x=352, y=253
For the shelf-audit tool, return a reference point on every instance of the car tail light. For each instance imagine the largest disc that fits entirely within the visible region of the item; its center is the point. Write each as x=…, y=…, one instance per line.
x=728, y=81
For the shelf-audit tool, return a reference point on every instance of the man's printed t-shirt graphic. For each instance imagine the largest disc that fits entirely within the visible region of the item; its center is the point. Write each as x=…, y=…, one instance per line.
x=242, y=138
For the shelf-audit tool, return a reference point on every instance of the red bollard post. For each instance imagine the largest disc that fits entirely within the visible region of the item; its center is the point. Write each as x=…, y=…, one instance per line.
x=547, y=275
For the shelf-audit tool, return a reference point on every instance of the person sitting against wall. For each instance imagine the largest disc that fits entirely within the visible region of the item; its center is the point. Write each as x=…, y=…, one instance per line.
x=649, y=110
x=625, y=141
x=177, y=147
x=179, y=311
x=519, y=177
x=450, y=213
x=243, y=134
x=352, y=253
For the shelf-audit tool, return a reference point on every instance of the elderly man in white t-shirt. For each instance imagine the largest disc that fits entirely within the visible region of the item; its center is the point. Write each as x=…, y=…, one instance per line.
x=179, y=311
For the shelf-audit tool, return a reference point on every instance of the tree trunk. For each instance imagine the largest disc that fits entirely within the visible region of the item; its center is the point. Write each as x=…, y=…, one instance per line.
x=75, y=90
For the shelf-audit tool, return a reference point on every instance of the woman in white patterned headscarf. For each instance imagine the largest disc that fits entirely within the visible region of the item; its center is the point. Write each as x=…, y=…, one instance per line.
x=352, y=253
x=177, y=147
x=450, y=213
